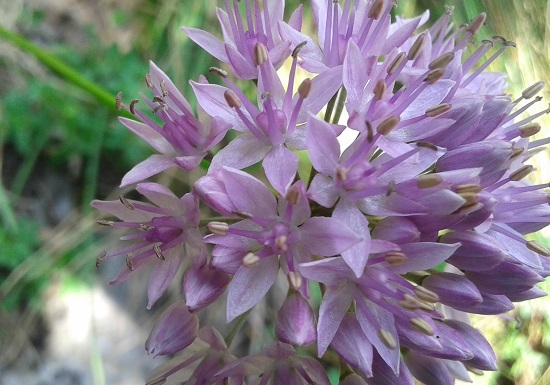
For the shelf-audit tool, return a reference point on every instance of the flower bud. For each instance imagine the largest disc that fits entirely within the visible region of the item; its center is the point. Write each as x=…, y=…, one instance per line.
x=492, y=304
x=428, y=370
x=176, y=329
x=453, y=290
x=397, y=230
x=295, y=323
x=202, y=286
x=484, y=357
x=477, y=251
x=505, y=278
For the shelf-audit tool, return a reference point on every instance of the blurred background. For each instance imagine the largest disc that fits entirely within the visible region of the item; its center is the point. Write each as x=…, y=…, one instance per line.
x=61, y=64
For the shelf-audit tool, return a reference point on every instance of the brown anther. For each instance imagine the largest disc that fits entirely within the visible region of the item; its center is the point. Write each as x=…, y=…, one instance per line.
x=438, y=110
x=126, y=203
x=104, y=222
x=243, y=214
x=129, y=264
x=218, y=228
x=295, y=280
x=280, y=243
x=409, y=302
x=428, y=180
x=434, y=76
x=304, y=88
x=417, y=47
x=532, y=90
x=376, y=10
x=441, y=61
x=265, y=95
x=260, y=54
x=379, y=89
x=468, y=188
x=293, y=196
x=388, y=124
x=158, y=99
x=148, y=81
x=400, y=58
x=218, y=71
x=250, y=260
x=529, y=130
x=470, y=198
x=425, y=294
x=387, y=338
x=538, y=248
x=477, y=23
x=486, y=41
x=391, y=188
x=509, y=43
x=163, y=88
x=422, y=326
x=521, y=173
x=161, y=107
x=516, y=151
x=133, y=106
x=395, y=258
x=499, y=38
x=341, y=174
x=146, y=227
x=429, y=145
x=100, y=259
x=232, y=99
x=118, y=101
x=158, y=252
x=296, y=50
x=370, y=131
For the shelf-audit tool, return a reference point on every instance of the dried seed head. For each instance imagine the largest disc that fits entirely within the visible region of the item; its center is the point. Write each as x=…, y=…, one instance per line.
x=417, y=47
x=388, y=124
x=442, y=61
x=218, y=228
x=304, y=88
x=232, y=99
x=428, y=180
x=438, y=110
x=260, y=54
x=521, y=173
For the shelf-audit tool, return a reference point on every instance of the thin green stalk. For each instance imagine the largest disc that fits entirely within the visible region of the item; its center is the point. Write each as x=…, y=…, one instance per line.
x=62, y=70
x=330, y=107
x=6, y=212
x=340, y=105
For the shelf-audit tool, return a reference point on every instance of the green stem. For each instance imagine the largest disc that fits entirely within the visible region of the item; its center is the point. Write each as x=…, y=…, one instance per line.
x=330, y=107
x=62, y=70
x=235, y=328
x=340, y=105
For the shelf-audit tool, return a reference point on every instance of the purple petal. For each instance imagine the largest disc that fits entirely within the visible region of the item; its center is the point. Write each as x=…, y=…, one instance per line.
x=280, y=166
x=202, y=286
x=429, y=370
x=353, y=346
x=162, y=274
x=249, y=285
x=354, y=75
x=208, y=42
x=241, y=67
x=323, y=191
x=329, y=271
x=424, y=255
x=161, y=196
x=322, y=145
x=241, y=152
x=248, y=194
x=151, y=166
x=295, y=323
x=156, y=140
x=336, y=302
x=327, y=236
x=323, y=87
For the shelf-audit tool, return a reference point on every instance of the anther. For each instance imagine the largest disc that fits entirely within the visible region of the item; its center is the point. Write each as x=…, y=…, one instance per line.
x=387, y=338
x=449, y=9
x=250, y=260
x=409, y=302
x=161, y=107
x=218, y=228
x=388, y=124
x=521, y=173
x=146, y=227
x=486, y=41
x=376, y=10
x=280, y=243
x=434, y=76
x=499, y=38
x=538, y=248
x=438, y=110
x=158, y=252
x=163, y=88
x=470, y=198
x=304, y=88
x=427, y=307
x=468, y=188
x=395, y=258
x=529, y=130
x=100, y=259
x=104, y=222
x=218, y=71
x=417, y=47
x=148, y=81
x=295, y=280
x=477, y=23
x=133, y=106
x=425, y=294
x=516, y=151
x=442, y=61
x=429, y=145
x=243, y=214
x=428, y=180
x=126, y=203
x=231, y=99
x=118, y=101
x=260, y=54
x=370, y=132
x=341, y=174
x=396, y=63
x=296, y=50
x=379, y=89
x=422, y=326
x=293, y=196
x=532, y=90
x=129, y=264
x=391, y=188
x=158, y=99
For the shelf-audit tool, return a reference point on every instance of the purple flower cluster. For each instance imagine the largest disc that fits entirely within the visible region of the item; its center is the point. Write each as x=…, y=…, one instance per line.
x=420, y=221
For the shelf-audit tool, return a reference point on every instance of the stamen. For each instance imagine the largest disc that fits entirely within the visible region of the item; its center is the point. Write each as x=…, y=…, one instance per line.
x=468, y=188
x=304, y=88
x=218, y=71
x=148, y=80
x=427, y=145
x=158, y=99
x=442, y=61
x=370, y=132
x=293, y=196
x=477, y=23
x=129, y=264
x=538, y=248
x=126, y=203
x=133, y=106
x=417, y=47
x=395, y=258
x=376, y=10
x=516, y=151
x=231, y=99
x=158, y=252
x=409, y=302
x=250, y=260
x=529, y=130
x=379, y=89
x=280, y=243
x=118, y=101
x=146, y=227
x=438, y=110
x=396, y=63
x=426, y=295
x=429, y=180
x=243, y=214
x=434, y=76
x=521, y=173
x=470, y=198
x=295, y=280
x=163, y=88
x=388, y=124
x=260, y=54
x=296, y=50
x=341, y=174
x=218, y=228
x=391, y=188
x=100, y=259
x=104, y=222
x=422, y=326
x=387, y=338
x=532, y=90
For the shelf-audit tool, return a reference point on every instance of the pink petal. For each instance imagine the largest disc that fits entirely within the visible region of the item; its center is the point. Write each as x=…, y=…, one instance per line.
x=151, y=166
x=160, y=195
x=163, y=273
x=156, y=140
x=335, y=304
x=353, y=346
x=208, y=42
x=327, y=236
x=424, y=255
x=280, y=166
x=322, y=145
x=241, y=152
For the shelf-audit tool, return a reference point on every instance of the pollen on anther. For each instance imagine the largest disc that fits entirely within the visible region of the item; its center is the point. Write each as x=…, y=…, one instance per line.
x=133, y=106
x=250, y=259
x=387, y=338
x=422, y=326
x=158, y=252
x=425, y=294
x=388, y=124
x=100, y=259
x=304, y=88
x=163, y=88
x=218, y=71
x=538, y=248
x=293, y=196
x=441, y=61
x=295, y=280
x=104, y=222
x=428, y=180
x=297, y=49
x=232, y=99
x=126, y=203
x=129, y=264
x=218, y=228
x=521, y=173
x=118, y=101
